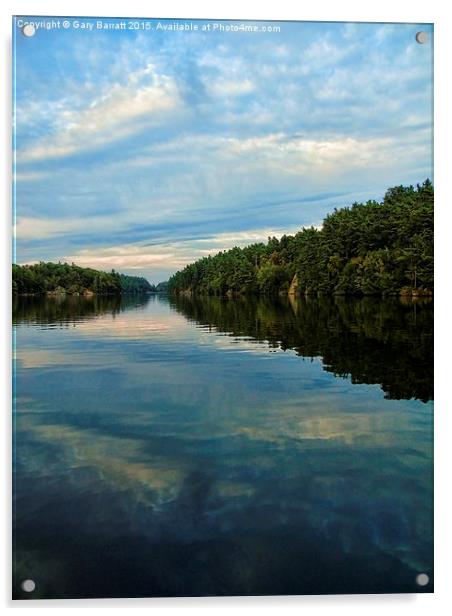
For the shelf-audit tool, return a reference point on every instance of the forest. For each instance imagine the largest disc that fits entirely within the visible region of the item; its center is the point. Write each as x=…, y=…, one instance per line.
x=372, y=248
x=62, y=278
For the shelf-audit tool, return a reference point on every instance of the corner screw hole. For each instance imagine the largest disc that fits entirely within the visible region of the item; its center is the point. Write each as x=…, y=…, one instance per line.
x=28, y=585
x=28, y=30
x=422, y=579
x=421, y=37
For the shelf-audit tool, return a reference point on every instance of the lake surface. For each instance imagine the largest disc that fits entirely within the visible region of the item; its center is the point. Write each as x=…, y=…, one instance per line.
x=222, y=447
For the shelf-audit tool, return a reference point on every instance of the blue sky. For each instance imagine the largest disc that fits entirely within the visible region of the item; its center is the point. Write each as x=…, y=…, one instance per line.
x=145, y=150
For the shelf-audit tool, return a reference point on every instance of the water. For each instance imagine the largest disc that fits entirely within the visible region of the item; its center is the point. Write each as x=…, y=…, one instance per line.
x=218, y=447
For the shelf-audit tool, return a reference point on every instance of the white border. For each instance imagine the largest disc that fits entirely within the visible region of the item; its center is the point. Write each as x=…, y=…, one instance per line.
x=436, y=11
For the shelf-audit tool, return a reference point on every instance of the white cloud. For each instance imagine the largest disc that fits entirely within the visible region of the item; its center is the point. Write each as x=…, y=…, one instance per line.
x=323, y=53
x=128, y=256
x=34, y=228
x=40, y=228
x=239, y=238
x=292, y=149
x=226, y=76
x=229, y=87
x=290, y=154
x=111, y=116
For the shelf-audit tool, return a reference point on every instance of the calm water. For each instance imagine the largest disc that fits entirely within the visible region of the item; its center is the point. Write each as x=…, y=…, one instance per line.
x=217, y=447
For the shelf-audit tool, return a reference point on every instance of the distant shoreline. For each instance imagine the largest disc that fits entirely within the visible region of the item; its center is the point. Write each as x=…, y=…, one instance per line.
x=91, y=294
x=60, y=279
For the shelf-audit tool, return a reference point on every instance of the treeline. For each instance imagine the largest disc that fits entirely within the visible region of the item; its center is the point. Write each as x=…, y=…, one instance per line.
x=369, y=248
x=62, y=278
x=135, y=284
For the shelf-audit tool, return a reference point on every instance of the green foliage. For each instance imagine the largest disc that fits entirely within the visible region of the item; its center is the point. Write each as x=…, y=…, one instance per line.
x=272, y=278
x=367, y=249
x=135, y=284
x=62, y=278
x=162, y=287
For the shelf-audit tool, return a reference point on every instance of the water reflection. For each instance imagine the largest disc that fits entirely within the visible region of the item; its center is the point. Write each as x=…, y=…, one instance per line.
x=161, y=449
x=387, y=342
x=63, y=310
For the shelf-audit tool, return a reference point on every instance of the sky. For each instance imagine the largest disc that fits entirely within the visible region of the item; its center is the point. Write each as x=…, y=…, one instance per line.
x=144, y=149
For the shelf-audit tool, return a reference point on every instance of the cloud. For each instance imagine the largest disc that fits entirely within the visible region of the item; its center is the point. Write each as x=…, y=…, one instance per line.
x=30, y=228
x=121, y=257
x=224, y=87
x=242, y=237
x=286, y=153
x=297, y=152
x=117, y=113
x=324, y=52
x=39, y=228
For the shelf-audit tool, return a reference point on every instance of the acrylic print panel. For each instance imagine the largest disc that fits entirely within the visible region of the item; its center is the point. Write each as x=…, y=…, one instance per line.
x=222, y=293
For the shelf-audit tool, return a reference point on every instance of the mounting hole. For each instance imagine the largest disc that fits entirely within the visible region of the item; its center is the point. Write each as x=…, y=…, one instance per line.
x=421, y=37
x=28, y=30
x=422, y=579
x=28, y=585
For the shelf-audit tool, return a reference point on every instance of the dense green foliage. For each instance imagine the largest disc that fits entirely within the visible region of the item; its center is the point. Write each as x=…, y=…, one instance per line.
x=135, y=284
x=387, y=342
x=55, y=278
x=162, y=287
x=371, y=249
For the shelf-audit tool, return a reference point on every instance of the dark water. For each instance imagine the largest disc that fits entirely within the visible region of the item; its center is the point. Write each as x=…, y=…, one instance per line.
x=218, y=447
